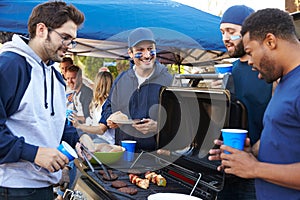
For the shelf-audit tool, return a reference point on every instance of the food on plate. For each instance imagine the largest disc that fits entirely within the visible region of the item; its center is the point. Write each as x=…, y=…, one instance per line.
x=128, y=190
x=142, y=183
x=118, y=184
x=157, y=179
x=111, y=178
x=118, y=116
x=116, y=148
x=104, y=147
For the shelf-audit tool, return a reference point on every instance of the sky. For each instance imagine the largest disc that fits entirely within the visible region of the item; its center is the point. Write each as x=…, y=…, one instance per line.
x=217, y=7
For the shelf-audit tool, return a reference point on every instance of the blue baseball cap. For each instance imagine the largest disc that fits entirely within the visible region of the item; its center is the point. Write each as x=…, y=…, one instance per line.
x=138, y=35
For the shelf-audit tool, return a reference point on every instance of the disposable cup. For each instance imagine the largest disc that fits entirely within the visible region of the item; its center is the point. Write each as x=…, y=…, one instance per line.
x=66, y=149
x=234, y=138
x=223, y=68
x=129, y=145
x=68, y=113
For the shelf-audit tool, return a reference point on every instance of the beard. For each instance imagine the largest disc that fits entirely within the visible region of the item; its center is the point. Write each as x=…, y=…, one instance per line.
x=52, y=51
x=267, y=69
x=238, y=51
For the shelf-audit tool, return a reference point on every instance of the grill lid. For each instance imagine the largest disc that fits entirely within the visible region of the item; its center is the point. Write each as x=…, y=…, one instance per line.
x=189, y=121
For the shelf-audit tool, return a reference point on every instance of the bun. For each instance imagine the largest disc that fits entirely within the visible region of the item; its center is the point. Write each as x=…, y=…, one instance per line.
x=116, y=148
x=88, y=142
x=118, y=116
x=104, y=147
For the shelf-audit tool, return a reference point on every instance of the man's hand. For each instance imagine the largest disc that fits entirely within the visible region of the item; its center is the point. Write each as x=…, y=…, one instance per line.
x=51, y=159
x=79, y=151
x=239, y=163
x=215, y=154
x=146, y=126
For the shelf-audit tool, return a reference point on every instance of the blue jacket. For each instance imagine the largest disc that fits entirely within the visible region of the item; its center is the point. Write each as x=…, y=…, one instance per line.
x=32, y=115
x=137, y=102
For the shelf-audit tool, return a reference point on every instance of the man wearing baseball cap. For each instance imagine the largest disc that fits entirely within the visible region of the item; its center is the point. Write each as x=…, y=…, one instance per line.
x=136, y=92
x=253, y=92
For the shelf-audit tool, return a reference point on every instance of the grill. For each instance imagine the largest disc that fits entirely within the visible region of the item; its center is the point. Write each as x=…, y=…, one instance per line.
x=190, y=119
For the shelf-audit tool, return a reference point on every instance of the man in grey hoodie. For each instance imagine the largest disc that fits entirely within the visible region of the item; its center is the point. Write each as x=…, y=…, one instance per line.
x=32, y=103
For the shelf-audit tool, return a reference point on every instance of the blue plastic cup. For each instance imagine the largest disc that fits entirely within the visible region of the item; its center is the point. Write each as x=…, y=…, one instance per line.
x=234, y=138
x=129, y=145
x=223, y=68
x=67, y=150
x=68, y=113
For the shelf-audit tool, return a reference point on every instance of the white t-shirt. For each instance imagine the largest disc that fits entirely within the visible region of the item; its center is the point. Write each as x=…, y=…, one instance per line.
x=108, y=135
x=141, y=79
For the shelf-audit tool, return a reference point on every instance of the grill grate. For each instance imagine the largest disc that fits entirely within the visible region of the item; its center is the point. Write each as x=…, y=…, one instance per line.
x=175, y=184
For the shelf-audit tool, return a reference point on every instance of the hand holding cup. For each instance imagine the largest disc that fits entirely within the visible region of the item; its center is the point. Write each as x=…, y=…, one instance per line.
x=234, y=138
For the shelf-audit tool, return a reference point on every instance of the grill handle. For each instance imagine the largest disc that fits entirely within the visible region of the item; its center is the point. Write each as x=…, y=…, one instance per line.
x=196, y=184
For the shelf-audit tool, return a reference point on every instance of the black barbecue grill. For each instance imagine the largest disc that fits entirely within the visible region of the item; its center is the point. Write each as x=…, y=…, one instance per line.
x=204, y=185
x=189, y=120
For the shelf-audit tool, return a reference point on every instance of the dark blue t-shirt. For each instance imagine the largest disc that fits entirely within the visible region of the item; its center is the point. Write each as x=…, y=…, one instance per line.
x=280, y=139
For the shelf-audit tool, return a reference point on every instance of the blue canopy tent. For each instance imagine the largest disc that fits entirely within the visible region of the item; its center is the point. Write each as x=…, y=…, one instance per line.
x=184, y=35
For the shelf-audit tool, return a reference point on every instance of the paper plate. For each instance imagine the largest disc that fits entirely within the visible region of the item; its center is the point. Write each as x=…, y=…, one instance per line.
x=122, y=121
x=171, y=196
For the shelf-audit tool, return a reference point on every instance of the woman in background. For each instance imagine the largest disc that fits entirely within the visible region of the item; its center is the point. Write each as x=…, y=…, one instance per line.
x=98, y=131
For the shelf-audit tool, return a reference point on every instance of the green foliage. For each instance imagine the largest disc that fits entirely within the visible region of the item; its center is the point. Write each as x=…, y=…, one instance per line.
x=91, y=65
x=175, y=69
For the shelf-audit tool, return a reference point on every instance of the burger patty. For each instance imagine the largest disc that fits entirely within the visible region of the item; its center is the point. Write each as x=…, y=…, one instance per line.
x=118, y=184
x=102, y=171
x=128, y=190
x=112, y=177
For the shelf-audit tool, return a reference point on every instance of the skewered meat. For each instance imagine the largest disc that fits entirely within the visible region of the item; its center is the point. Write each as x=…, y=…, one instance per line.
x=157, y=179
x=142, y=183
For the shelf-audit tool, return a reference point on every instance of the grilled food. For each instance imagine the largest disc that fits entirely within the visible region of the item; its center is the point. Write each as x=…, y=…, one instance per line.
x=157, y=179
x=118, y=184
x=128, y=190
x=142, y=183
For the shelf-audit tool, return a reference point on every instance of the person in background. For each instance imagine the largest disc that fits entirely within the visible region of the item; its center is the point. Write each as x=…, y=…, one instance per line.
x=270, y=41
x=97, y=131
x=254, y=93
x=5, y=37
x=135, y=92
x=32, y=103
x=66, y=62
x=82, y=94
x=104, y=69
